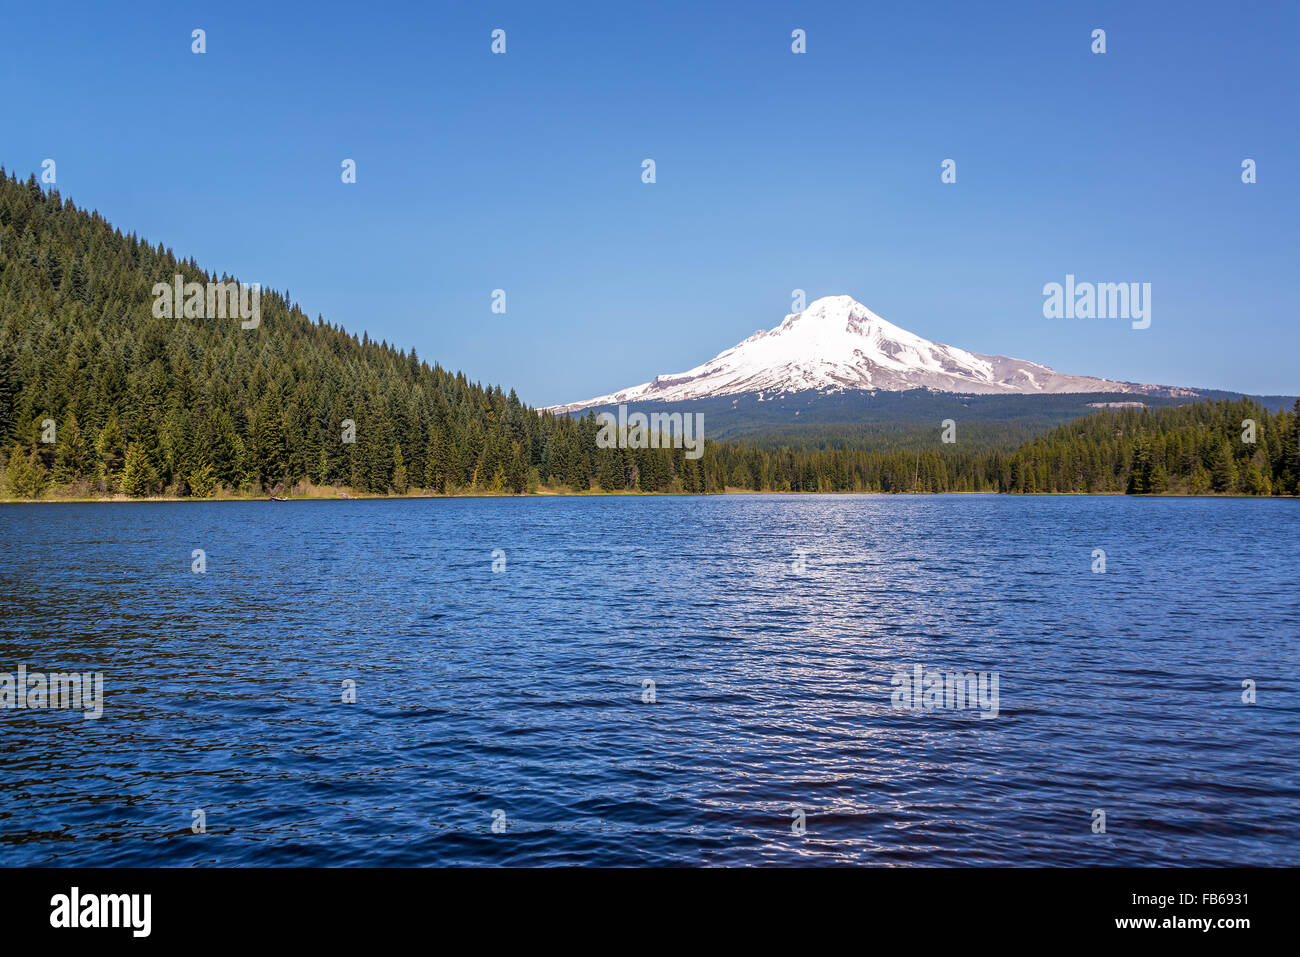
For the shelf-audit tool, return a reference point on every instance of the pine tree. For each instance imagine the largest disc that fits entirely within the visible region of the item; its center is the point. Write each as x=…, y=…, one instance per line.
x=138, y=477
x=436, y=467
x=516, y=471
x=73, y=458
x=110, y=449
x=270, y=446
x=1223, y=470
x=399, y=471
x=202, y=481
x=224, y=449
x=25, y=477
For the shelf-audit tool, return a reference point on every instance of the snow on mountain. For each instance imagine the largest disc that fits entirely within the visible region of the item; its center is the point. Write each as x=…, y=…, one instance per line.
x=836, y=344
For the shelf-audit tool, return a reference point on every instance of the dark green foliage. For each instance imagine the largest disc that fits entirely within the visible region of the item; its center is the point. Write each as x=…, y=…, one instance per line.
x=1190, y=449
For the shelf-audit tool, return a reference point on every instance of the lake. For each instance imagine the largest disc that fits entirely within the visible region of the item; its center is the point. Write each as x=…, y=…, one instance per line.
x=655, y=681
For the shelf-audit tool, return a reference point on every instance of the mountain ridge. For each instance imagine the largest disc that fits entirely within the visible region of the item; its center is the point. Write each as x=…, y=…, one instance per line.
x=838, y=344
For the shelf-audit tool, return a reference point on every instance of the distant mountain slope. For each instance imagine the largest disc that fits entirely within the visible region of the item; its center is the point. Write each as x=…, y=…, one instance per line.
x=838, y=344
x=879, y=420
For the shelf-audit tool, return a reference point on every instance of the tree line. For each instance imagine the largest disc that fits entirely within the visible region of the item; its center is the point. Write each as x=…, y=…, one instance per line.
x=1235, y=447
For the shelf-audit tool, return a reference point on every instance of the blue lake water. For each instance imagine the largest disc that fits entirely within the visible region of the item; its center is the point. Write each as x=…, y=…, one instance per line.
x=524, y=691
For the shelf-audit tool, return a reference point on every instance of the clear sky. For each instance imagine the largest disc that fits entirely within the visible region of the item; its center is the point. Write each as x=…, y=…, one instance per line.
x=775, y=171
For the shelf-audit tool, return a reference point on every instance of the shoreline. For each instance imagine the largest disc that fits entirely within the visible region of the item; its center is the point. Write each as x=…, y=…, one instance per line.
x=120, y=499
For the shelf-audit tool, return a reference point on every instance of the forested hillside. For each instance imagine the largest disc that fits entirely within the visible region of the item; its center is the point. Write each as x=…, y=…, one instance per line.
x=879, y=421
x=98, y=396
x=143, y=405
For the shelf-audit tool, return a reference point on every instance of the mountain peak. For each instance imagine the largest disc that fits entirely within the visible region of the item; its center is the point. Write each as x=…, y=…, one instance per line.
x=842, y=312
x=836, y=343
x=834, y=306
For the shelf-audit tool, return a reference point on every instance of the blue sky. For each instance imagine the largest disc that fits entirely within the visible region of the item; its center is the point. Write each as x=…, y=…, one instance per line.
x=775, y=171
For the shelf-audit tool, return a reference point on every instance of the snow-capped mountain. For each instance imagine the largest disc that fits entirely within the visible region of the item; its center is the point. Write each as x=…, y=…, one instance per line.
x=837, y=344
